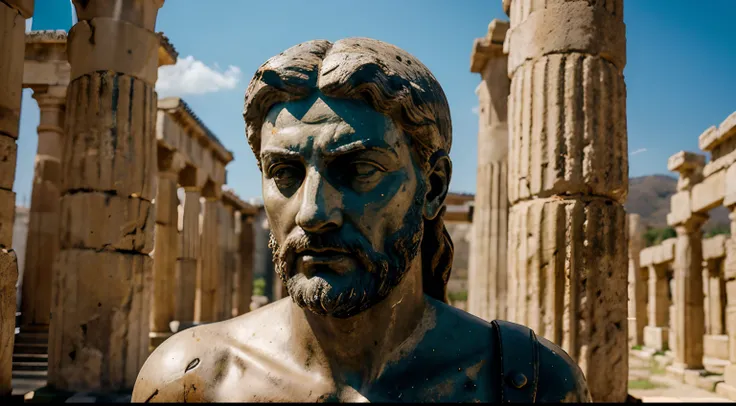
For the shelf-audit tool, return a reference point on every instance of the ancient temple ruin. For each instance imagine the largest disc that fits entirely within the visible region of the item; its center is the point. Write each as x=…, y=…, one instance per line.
x=686, y=283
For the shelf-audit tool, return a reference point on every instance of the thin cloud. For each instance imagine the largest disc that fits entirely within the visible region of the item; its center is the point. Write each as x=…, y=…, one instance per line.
x=638, y=151
x=476, y=110
x=191, y=76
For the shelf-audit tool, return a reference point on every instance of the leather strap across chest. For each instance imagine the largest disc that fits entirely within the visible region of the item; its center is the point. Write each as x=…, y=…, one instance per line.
x=519, y=355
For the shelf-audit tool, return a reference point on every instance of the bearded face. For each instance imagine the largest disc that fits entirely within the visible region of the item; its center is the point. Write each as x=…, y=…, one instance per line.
x=344, y=200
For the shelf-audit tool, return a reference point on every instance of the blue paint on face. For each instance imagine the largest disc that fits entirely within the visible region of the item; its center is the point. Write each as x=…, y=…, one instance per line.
x=341, y=177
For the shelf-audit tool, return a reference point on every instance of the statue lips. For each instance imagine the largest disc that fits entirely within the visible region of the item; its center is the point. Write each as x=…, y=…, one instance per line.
x=315, y=260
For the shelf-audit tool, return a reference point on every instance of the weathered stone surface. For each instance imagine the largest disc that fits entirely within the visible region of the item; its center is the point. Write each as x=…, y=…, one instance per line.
x=211, y=275
x=576, y=291
x=716, y=346
x=637, y=294
x=566, y=27
x=166, y=253
x=189, y=237
x=7, y=217
x=729, y=198
x=12, y=31
x=110, y=144
x=519, y=11
x=690, y=166
x=8, y=279
x=487, y=271
x=570, y=137
x=656, y=338
x=689, y=312
x=708, y=138
x=186, y=285
x=106, y=222
x=245, y=248
x=658, y=254
x=709, y=193
x=8, y=154
x=714, y=247
x=680, y=208
x=100, y=319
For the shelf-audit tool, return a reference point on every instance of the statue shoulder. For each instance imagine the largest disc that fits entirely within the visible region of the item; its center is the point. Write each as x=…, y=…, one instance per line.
x=560, y=378
x=536, y=370
x=174, y=372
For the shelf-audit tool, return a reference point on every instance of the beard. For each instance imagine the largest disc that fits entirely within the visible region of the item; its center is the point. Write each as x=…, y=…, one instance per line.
x=346, y=295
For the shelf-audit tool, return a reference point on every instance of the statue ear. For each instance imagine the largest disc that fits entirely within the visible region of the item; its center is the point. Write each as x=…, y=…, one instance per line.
x=438, y=184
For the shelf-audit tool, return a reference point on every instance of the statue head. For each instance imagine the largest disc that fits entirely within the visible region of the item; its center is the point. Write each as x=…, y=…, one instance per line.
x=352, y=139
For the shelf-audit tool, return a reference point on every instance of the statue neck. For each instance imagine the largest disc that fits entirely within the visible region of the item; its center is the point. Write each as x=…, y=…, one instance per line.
x=360, y=346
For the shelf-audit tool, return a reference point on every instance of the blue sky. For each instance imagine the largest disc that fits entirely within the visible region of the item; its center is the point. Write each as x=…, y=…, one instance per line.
x=680, y=71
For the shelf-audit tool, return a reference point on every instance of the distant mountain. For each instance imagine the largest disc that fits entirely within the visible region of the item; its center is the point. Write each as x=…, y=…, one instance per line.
x=649, y=197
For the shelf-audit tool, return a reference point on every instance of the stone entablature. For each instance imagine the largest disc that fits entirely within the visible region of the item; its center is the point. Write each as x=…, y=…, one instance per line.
x=178, y=128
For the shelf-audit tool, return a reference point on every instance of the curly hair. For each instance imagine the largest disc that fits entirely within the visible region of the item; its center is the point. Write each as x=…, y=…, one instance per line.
x=393, y=83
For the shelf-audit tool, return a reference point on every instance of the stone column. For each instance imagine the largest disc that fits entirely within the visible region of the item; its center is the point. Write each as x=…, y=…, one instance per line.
x=211, y=273
x=42, y=243
x=225, y=288
x=688, y=323
x=729, y=275
x=246, y=248
x=689, y=312
x=487, y=273
x=98, y=337
x=637, y=284
x=656, y=333
x=166, y=248
x=12, y=45
x=567, y=181
x=187, y=262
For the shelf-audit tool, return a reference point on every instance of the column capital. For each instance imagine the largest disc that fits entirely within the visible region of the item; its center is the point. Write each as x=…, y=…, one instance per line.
x=170, y=163
x=50, y=96
x=692, y=224
x=490, y=46
x=690, y=167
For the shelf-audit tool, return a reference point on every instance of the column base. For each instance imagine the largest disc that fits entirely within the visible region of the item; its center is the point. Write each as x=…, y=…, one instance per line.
x=679, y=372
x=729, y=375
x=656, y=338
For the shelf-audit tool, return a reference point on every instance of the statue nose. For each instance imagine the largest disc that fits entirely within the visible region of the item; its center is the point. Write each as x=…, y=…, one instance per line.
x=321, y=206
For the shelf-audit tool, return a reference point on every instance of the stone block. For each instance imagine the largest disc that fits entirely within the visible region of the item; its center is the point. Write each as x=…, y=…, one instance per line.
x=726, y=390
x=715, y=346
x=729, y=375
x=680, y=209
x=107, y=44
x=729, y=198
x=8, y=279
x=103, y=222
x=656, y=338
x=7, y=216
x=100, y=319
x=684, y=161
x=564, y=27
x=731, y=328
x=709, y=193
x=665, y=251
x=111, y=145
x=646, y=256
x=575, y=141
x=729, y=265
x=8, y=155
x=714, y=247
x=708, y=139
x=12, y=48
x=727, y=128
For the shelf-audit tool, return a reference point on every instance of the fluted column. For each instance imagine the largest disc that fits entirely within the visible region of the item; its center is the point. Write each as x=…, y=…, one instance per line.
x=211, y=273
x=42, y=243
x=246, y=248
x=567, y=182
x=189, y=254
x=12, y=44
x=729, y=274
x=103, y=277
x=656, y=333
x=166, y=246
x=637, y=284
x=487, y=273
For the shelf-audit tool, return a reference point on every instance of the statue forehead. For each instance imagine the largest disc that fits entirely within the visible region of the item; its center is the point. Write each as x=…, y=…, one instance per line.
x=321, y=114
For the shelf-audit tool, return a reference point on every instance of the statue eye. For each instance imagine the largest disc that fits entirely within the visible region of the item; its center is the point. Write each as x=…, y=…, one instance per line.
x=363, y=170
x=286, y=176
